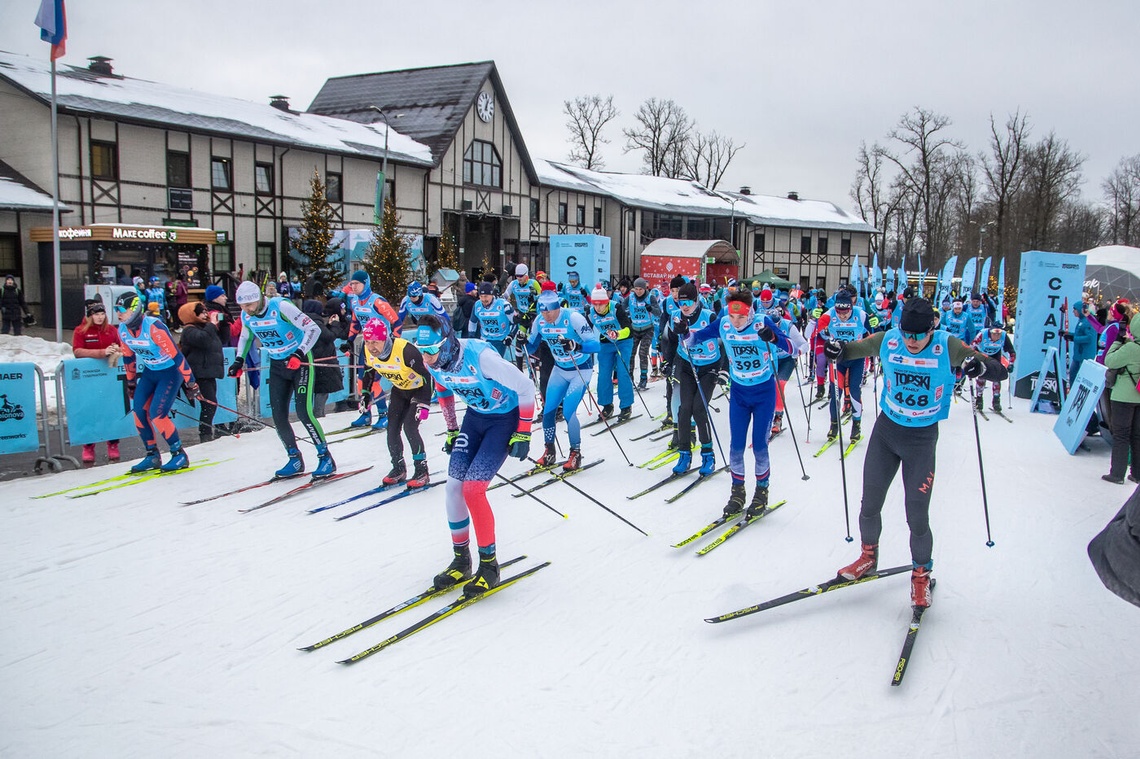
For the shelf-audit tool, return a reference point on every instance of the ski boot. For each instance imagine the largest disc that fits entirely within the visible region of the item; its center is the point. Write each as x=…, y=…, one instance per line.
x=644, y=383
x=920, y=585
x=867, y=562
x=573, y=461
x=419, y=473
x=979, y=403
x=399, y=473
x=833, y=431
x=548, y=458
x=777, y=423
x=486, y=577
x=381, y=423
x=89, y=454
x=152, y=460
x=674, y=442
x=818, y=393
x=558, y=415
x=847, y=407
x=178, y=459
x=626, y=414
x=735, y=500
x=293, y=467
x=759, y=502
x=457, y=571
x=708, y=462
x=326, y=467
x=668, y=424
x=364, y=420
x=996, y=405
x=684, y=461
x=607, y=411
x=856, y=429
x=113, y=450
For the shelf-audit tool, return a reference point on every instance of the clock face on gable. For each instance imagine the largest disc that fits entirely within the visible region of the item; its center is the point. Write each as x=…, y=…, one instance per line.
x=485, y=106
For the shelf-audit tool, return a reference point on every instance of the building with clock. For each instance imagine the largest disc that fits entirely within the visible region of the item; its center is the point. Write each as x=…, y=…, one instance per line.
x=154, y=157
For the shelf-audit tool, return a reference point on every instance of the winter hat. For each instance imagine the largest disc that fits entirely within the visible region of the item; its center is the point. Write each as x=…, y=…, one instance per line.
x=249, y=292
x=332, y=306
x=572, y=276
x=540, y=275
x=360, y=275
x=313, y=308
x=90, y=307
x=186, y=313
x=599, y=295
x=676, y=282
x=549, y=301
x=521, y=270
x=766, y=294
x=843, y=298
x=375, y=329
x=878, y=298
x=688, y=291
x=732, y=283
x=213, y=291
x=907, y=293
x=549, y=285
x=917, y=316
x=486, y=288
x=624, y=282
x=415, y=289
x=469, y=287
x=281, y=276
x=640, y=282
x=706, y=287
x=975, y=296
x=9, y=280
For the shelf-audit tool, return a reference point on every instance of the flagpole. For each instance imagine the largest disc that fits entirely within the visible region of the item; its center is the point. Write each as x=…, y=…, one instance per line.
x=55, y=211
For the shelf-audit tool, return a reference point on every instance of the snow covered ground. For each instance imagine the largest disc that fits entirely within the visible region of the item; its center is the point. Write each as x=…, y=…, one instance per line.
x=46, y=354
x=133, y=626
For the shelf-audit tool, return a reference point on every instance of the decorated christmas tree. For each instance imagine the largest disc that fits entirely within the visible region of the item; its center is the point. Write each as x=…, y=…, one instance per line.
x=386, y=260
x=314, y=246
x=448, y=256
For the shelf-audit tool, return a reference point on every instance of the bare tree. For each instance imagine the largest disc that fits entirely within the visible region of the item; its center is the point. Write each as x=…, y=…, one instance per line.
x=923, y=166
x=586, y=117
x=1053, y=177
x=1004, y=171
x=662, y=131
x=1122, y=191
x=876, y=204
x=709, y=157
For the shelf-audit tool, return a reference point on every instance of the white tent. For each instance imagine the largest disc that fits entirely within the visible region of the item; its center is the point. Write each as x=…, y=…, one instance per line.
x=1113, y=271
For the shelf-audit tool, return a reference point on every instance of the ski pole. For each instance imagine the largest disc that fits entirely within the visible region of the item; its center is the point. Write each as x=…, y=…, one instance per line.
x=532, y=495
x=603, y=416
x=803, y=402
x=981, y=467
x=832, y=375
x=797, y=443
x=629, y=371
x=253, y=419
x=538, y=387
x=579, y=490
x=708, y=417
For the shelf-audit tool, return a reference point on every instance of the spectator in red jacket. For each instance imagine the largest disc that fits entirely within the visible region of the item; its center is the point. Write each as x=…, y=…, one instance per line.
x=96, y=338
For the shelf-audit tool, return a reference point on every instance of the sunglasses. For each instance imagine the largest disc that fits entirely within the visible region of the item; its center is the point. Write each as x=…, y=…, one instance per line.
x=430, y=350
x=915, y=336
x=687, y=303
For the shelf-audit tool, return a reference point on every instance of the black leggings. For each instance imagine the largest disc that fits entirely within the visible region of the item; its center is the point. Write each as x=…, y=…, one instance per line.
x=1125, y=438
x=914, y=448
x=284, y=383
x=402, y=411
x=692, y=407
x=209, y=389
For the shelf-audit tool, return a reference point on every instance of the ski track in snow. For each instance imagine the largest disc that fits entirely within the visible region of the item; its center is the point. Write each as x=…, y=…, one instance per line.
x=136, y=627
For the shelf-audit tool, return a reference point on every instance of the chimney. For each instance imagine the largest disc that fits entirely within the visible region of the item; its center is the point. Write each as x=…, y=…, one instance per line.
x=793, y=195
x=745, y=190
x=100, y=64
x=280, y=102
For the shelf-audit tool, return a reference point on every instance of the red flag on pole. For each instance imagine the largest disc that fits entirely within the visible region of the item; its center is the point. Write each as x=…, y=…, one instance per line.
x=52, y=21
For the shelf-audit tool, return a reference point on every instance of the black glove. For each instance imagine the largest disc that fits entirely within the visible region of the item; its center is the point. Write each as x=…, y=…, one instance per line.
x=520, y=340
x=131, y=384
x=235, y=367
x=1067, y=336
x=519, y=445
x=723, y=378
x=345, y=346
x=666, y=368
x=766, y=334
x=973, y=367
x=832, y=349
x=365, y=402
x=680, y=327
x=193, y=392
x=568, y=345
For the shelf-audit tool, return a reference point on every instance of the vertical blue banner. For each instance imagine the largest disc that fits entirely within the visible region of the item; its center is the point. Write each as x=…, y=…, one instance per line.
x=96, y=402
x=589, y=255
x=1079, y=406
x=1046, y=279
x=18, y=432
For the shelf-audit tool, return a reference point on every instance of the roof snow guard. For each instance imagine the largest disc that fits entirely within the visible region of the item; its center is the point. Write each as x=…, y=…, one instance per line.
x=85, y=92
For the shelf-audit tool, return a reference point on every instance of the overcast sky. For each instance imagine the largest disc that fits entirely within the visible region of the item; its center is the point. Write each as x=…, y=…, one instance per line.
x=801, y=83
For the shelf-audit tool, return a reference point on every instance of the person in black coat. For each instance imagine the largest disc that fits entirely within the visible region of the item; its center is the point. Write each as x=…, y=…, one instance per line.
x=1115, y=552
x=329, y=377
x=202, y=347
x=12, y=307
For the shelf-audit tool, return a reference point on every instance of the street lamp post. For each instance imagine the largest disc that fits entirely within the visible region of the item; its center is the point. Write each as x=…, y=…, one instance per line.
x=382, y=180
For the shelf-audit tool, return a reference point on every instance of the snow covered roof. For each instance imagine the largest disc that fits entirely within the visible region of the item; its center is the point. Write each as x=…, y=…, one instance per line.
x=18, y=193
x=689, y=197
x=1120, y=256
x=673, y=248
x=81, y=90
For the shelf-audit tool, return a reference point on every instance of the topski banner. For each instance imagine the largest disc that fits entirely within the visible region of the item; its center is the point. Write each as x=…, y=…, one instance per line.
x=1046, y=280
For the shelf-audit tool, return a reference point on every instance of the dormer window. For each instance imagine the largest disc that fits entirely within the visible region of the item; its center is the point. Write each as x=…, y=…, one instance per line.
x=481, y=165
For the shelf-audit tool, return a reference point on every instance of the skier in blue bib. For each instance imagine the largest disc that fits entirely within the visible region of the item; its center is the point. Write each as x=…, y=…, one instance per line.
x=644, y=311
x=918, y=379
x=611, y=322
x=493, y=320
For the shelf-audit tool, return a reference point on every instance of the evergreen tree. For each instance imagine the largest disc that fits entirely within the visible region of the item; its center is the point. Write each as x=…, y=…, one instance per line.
x=314, y=245
x=386, y=260
x=447, y=257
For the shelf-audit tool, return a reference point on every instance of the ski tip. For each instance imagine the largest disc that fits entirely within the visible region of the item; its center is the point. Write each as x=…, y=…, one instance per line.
x=307, y=648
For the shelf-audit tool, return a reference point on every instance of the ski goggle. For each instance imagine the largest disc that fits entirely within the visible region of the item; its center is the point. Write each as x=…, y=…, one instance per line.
x=915, y=336
x=430, y=350
x=839, y=307
x=687, y=303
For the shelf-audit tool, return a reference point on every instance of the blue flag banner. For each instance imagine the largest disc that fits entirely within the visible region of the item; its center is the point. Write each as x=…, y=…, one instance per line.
x=1001, y=287
x=944, y=281
x=18, y=430
x=1079, y=406
x=968, y=272
x=1045, y=280
x=853, y=277
x=984, y=280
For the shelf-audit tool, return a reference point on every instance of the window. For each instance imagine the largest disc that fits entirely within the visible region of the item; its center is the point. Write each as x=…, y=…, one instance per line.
x=177, y=169
x=223, y=259
x=104, y=160
x=533, y=209
x=631, y=224
x=580, y=216
x=481, y=165
x=845, y=247
x=263, y=178
x=265, y=256
x=597, y=218
x=822, y=244
x=220, y=176
x=563, y=213
x=10, y=254
x=758, y=242
x=805, y=244
x=334, y=190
